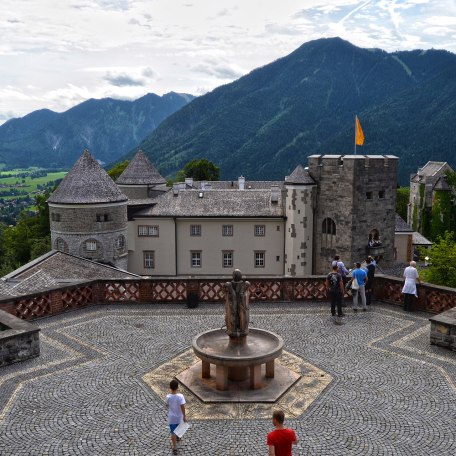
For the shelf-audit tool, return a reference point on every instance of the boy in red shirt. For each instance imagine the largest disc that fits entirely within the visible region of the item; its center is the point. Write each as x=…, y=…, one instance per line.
x=281, y=439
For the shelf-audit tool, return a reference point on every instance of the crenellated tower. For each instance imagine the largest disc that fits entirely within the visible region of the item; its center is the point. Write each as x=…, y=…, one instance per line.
x=356, y=206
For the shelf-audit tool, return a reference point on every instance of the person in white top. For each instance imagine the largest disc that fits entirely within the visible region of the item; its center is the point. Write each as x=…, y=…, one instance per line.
x=176, y=411
x=409, y=289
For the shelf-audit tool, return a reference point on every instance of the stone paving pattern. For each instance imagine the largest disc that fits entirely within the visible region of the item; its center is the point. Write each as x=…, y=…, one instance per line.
x=391, y=392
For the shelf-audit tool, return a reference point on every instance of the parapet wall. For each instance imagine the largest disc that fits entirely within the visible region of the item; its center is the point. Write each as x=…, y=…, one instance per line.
x=431, y=298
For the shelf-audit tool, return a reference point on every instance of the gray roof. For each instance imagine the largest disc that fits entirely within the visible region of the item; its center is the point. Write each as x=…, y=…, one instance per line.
x=63, y=267
x=431, y=168
x=140, y=171
x=37, y=281
x=402, y=226
x=5, y=289
x=234, y=184
x=216, y=203
x=300, y=175
x=419, y=239
x=442, y=184
x=87, y=182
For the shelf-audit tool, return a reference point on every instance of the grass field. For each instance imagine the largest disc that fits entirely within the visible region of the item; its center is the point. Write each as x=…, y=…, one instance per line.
x=10, y=179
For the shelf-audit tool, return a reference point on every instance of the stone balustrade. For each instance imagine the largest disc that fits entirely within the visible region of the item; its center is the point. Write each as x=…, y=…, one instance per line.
x=431, y=298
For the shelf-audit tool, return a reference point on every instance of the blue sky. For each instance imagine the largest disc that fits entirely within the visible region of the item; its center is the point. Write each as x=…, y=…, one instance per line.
x=56, y=54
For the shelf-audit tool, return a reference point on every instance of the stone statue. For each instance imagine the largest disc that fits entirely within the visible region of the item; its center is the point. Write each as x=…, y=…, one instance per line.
x=237, y=306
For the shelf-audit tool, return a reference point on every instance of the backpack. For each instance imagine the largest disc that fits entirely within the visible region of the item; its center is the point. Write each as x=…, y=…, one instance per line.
x=334, y=280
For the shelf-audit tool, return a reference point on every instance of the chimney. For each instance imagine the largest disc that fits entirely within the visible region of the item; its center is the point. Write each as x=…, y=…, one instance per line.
x=274, y=194
x=241, y=181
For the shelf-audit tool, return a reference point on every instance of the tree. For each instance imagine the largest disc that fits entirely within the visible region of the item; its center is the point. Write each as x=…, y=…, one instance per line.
x=117, y=169
x=200, y=170
x=402, y=201
x=442, y=270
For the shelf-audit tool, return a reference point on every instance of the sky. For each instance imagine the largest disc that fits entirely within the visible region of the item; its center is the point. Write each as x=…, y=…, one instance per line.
x=57, y=53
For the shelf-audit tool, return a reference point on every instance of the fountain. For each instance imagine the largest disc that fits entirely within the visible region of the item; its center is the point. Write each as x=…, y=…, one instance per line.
x=238, y=364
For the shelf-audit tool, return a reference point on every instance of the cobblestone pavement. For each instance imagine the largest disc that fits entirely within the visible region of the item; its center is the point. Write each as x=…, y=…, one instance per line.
x=391, y=392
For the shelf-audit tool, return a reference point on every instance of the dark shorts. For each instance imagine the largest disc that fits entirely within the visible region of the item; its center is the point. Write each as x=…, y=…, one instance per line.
x=172, y=427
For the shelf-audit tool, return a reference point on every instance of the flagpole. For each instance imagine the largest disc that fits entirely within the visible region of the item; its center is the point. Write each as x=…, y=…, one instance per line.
x=355, y=134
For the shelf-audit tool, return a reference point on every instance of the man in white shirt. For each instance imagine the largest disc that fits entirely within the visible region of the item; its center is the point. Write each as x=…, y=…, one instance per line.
x=409, y=289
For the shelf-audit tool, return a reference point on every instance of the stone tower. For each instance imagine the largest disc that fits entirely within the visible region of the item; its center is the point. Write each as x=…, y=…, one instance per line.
x=140, y=179
x=356, y=207
x=88, y=215
x=299, y=187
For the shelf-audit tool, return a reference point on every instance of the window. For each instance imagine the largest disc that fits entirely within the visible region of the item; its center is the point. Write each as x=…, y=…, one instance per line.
x=91, y=246
x=278, y=258
x=104, y=217
x=61, y=245
x=260, y=230
x=381, y=194
x=55, y=217
x=329, y=226
x=369, y=195
x=227, y=259
x=149, y=259
x=227, y=230
x=196, y=259
x=195, y=230
x=148, y=230
x=278, y=227
x=120, y=242
x=259, y=259
x=328, y=232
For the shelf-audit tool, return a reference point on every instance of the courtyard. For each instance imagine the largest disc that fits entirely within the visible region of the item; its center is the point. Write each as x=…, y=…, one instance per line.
x=372, y=386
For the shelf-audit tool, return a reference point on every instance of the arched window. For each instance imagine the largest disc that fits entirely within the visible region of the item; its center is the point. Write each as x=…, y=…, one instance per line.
x=329, y=226
x=60, y=244
x=328, y=232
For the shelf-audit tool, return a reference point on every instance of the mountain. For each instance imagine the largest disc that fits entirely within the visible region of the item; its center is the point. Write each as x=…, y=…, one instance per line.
x=270, y=120
x=107, y=127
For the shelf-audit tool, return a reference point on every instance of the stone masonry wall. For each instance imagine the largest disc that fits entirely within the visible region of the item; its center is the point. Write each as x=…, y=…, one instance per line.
x=359, y=194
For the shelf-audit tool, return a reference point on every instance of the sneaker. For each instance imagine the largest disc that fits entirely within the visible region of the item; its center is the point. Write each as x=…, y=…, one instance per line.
x=355, y=310
x=341, y=315
x=175, y=451
x=364, y=310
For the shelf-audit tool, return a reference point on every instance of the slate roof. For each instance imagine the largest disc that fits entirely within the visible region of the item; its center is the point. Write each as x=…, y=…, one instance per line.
x=5, y=290
x=234, y=185
x=402, y=226
x=63, y=267
x=419, y=239
x=431, y=168
x=216, y=203
x=300, y=175
x=140, y=171
x=37, y=281
x=87, y=182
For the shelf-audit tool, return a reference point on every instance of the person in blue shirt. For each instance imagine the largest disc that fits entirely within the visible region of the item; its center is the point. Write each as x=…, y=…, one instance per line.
x=358, y=286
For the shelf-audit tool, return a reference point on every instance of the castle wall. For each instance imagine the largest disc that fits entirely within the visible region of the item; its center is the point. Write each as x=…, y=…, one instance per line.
x=356, y=194
x=94, y=231
x=299, y=230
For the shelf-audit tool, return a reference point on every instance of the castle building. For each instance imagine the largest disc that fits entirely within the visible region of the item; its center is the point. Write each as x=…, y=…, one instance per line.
x=428, y=187
x=340, y=205
x=88, y=215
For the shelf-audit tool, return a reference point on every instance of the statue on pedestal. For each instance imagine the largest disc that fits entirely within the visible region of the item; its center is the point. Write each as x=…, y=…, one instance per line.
x=237, y=306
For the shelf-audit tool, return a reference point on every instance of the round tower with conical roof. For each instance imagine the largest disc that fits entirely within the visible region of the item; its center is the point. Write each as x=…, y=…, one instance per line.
x=88, y=214
x=140, y=179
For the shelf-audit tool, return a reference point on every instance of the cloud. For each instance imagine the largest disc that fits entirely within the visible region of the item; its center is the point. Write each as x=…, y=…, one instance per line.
x=220, y=70
x=135, y=77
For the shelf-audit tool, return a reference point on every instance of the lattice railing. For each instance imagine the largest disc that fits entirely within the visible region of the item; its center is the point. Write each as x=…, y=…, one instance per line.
x=309, y=289
x=392, y=292
x=265, y=290
x=122, y=291
x=211, y=291
x=34, y=307
x=169, y=291
x=76, y=297
x=437, y=302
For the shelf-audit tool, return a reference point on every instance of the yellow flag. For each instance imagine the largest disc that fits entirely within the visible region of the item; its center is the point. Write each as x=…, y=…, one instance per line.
x=359, y=135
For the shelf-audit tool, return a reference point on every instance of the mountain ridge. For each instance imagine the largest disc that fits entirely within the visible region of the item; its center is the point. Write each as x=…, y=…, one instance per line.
x=107, y=126
x=271, y=119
